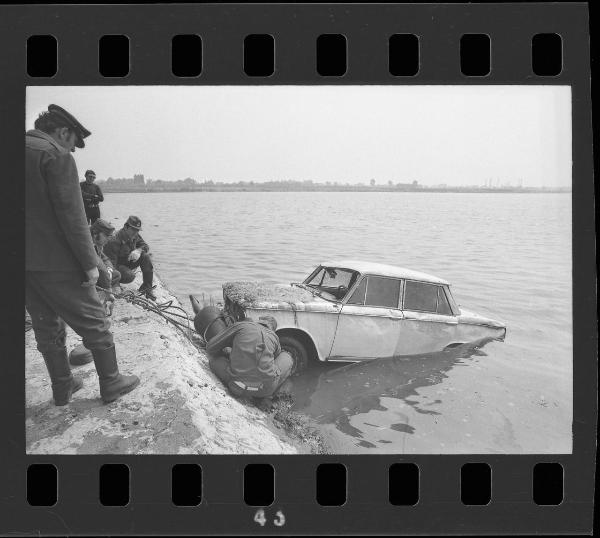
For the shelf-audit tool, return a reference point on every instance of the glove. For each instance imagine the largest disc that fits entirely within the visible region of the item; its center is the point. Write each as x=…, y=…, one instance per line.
x=92, y=277
x=134, y=255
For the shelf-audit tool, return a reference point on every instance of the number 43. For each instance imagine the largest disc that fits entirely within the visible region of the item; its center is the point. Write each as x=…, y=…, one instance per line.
x=260, y=518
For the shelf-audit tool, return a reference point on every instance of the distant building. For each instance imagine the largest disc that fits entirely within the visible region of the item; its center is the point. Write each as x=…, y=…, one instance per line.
x=138, y=179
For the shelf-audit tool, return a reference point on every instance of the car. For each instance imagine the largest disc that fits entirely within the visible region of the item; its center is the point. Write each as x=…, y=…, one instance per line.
x=350, y=310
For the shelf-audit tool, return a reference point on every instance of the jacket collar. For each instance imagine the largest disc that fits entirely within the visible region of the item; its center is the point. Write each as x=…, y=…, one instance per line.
x=122, y=236
x=36, y=133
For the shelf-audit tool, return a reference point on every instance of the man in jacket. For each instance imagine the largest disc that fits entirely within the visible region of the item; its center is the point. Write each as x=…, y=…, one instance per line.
x=92, y=196
x=256, y=366
x=127, y=251
x=109, y=277
x=60, y=261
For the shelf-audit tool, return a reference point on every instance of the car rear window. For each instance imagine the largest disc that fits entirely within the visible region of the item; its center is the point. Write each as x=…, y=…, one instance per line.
x=443, y=307
x=382, y=292
x=420, y=296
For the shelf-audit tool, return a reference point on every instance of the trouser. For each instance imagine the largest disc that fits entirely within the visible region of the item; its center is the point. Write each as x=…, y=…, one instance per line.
x=57, y=299
x=104, y=280
x=144, y=262
x=92, y=214
x=220, y=367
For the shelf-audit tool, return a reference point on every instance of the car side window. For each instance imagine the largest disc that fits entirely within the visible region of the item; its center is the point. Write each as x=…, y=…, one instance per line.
x=443, y=307
x=382, y=292
x=358, y=296
x=420, y=296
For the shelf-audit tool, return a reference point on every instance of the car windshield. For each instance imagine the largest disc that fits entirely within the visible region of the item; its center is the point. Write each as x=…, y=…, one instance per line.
x=331, y=283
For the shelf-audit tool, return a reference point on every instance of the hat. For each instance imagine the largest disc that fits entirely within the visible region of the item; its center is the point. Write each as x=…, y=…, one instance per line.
x=268, y=321
x=89, y=172
x=102, y=226
x=134, y=222
x=71, y=122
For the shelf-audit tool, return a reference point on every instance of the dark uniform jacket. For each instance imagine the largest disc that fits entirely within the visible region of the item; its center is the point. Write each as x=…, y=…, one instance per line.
x=119, y=247
x=253, y=350
x=91, y=193
x=103, y=257
x=57, y=236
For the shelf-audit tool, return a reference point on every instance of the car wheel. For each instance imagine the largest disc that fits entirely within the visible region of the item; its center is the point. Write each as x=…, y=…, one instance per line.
x=297, y=351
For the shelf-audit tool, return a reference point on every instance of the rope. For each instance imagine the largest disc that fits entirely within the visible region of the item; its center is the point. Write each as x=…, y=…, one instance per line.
x=168, y=311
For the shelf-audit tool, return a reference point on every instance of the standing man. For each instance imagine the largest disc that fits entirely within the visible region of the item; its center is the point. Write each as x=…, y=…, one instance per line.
x=127, y=250
x=254, y=366
x=92, y=196
x=60, y=261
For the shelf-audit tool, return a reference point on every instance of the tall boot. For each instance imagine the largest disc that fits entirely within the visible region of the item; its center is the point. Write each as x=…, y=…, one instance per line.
x=112, y=383
x=147, y=284
x=63, y=382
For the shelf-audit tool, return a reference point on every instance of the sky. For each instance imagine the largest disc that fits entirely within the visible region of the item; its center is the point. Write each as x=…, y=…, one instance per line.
x=454, y=135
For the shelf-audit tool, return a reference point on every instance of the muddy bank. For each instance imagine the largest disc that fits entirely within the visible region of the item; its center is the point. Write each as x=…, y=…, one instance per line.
x=180, y=407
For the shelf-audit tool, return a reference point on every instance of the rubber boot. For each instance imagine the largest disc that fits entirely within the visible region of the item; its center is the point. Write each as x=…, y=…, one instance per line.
x=147, y=286
x=63, y=382
x=112, y=383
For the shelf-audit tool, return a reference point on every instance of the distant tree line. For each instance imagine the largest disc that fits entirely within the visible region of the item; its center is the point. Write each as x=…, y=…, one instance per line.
x=140, y=184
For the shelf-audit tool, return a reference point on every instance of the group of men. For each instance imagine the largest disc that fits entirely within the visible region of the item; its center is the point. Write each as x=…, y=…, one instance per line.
x=66, y=260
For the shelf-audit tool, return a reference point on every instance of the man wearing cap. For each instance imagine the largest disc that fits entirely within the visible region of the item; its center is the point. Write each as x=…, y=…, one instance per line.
x=256, y=366
x=60, y=261
x=101, y=231
x=92, y=196
x=127, y=251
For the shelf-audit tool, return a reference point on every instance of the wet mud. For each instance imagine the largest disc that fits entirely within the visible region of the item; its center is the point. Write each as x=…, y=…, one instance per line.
x=331, y=395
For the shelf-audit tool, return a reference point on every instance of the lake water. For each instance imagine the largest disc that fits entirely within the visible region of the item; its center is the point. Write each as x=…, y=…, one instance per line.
x=508, y=256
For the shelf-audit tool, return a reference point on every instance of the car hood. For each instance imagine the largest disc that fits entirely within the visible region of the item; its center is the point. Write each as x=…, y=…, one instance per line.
x=276, y=297
x=471, y=318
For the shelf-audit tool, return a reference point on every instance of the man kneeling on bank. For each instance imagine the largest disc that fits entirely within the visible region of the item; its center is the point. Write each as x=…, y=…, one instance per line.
x=256, y=366
x=101, y=232
x=127, y=251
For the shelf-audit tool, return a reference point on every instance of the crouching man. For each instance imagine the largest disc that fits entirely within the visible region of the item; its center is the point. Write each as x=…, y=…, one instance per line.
x=109, y=277
x=127, y=250
x=256, y=366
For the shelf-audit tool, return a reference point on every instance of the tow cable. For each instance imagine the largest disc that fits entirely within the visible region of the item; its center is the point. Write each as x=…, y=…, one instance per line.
x=173, y=314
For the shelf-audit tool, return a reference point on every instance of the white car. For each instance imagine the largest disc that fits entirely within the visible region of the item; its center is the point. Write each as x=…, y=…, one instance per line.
x=353, y=310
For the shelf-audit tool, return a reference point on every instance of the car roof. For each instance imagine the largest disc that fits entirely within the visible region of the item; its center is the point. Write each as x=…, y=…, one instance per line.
x=384, y=270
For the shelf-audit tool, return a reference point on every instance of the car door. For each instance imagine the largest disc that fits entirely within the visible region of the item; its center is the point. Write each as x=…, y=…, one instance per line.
x=368, y=324
x=428, y=321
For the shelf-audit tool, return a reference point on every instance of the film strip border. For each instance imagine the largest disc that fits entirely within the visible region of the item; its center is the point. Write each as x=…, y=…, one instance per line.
x=331, y=55
x=313, y=44
x=382, y=494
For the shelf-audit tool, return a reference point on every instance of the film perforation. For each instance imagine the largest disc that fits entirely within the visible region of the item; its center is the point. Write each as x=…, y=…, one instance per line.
x=475, y=55
x=186, y=55
x=476, y=484
x=42, y=484
x=404, y=58
x=41, y=56
x=403, y=484
x=259, y=484
x=114, y=484
x=546, y=52
x=259, y=55
x=548, y=486
x=186, y=484
x=113, y=56
x=332, y=55
x=331, y=484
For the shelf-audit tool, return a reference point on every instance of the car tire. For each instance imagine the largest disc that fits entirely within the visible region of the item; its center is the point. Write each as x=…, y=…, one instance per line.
x=297, y=350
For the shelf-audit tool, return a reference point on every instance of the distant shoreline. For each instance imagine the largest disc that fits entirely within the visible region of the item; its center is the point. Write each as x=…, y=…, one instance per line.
x=464, y=190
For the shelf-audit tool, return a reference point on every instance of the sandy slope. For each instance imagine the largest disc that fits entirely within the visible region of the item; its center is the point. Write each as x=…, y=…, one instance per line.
x=180, y=406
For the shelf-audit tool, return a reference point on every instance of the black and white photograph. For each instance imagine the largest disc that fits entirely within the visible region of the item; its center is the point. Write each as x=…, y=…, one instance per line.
x=357, y=269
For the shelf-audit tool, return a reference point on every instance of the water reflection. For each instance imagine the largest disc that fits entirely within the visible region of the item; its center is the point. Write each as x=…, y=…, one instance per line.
x=332, y=394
